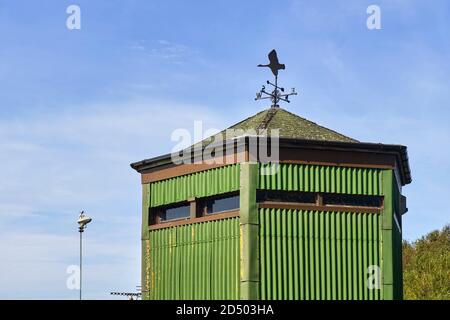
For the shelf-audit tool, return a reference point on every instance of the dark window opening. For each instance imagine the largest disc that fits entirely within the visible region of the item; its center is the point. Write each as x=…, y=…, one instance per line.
x=195, y=208
x=223, y=203
x=352, y=200
x=285, y=196
x=319, y=199
x=174, y=212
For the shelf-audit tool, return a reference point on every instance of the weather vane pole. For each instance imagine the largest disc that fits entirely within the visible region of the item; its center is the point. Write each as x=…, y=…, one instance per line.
x=277, y=94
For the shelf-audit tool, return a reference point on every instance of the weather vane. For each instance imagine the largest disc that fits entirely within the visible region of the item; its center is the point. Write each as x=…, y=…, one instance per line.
x=278, y=92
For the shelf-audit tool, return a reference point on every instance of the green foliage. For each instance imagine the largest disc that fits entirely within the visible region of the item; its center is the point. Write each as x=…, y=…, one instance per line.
x=426, y=267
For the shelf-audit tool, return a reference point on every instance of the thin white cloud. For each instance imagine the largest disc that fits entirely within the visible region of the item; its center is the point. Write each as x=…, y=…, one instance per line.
x=163, y=49
x=15, y=210
x=34, y=265
x=57, y=164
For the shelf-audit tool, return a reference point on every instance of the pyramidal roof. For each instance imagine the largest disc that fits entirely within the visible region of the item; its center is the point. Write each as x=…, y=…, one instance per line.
x=290, y=125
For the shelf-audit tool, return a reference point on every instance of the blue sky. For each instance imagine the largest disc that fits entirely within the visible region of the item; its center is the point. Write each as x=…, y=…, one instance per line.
x=77, y=106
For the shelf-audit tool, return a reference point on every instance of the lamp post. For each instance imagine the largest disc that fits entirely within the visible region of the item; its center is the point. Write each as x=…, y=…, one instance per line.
x=83, y=220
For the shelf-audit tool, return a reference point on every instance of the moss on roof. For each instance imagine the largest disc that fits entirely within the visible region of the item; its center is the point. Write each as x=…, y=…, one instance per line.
x=294, y=126
x=290, y=126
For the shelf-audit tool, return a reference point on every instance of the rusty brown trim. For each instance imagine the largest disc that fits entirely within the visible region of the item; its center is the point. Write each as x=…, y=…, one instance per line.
x=310, y=157
x=305, y=206
x=210, y=217
x=398, y=151
x=185, y=169
x=338, y=164
x=190, y=154
x=368, y=155
x=337, y=157
x=175, y=171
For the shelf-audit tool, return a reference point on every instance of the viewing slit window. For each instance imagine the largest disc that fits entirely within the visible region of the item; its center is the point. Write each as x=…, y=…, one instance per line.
x=203, y=206
x=352, y=200
x=225, y=204
x=174, y=212
x=231, y=202
x=322, y=199
x=286, y=196
x=213, y=205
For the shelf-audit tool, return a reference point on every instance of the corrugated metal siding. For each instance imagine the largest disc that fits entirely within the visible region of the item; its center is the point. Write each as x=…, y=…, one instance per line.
x=317, y=255
x=200, y=184
x=314, y=178
x=397, y=260
x=197, y=261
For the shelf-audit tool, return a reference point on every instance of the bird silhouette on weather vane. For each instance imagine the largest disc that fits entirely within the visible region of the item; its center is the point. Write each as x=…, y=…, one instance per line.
x=278, y=92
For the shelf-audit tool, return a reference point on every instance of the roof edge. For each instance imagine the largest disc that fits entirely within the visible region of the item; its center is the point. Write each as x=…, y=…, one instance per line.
x=166, y=159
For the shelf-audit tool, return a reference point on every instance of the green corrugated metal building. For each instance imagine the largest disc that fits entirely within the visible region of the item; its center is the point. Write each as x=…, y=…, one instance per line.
x=324, y=223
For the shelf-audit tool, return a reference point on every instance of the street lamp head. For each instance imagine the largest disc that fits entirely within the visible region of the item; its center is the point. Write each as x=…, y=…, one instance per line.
x=83, y=220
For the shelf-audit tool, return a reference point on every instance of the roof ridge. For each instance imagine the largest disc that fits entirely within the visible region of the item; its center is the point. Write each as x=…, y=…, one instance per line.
x=269, y=116
x=312, y=122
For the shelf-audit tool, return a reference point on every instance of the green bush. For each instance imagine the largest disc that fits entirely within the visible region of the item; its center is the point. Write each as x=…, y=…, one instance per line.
x=426, y=267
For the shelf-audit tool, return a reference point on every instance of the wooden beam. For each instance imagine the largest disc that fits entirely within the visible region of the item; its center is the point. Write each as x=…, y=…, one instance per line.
x=211, y=217
x=184, y=169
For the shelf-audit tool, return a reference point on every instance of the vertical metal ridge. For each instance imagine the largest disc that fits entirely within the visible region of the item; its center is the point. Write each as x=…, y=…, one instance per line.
x=197, y=261
x=316, y=178
x=316, y=255
x=262, y=246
